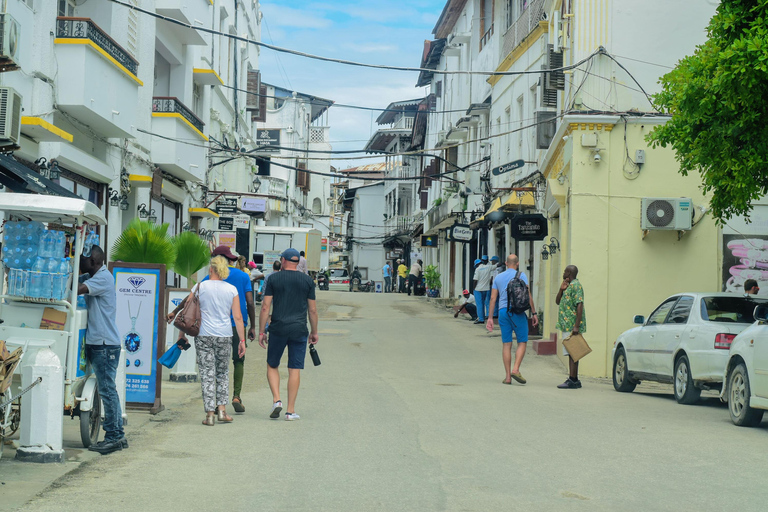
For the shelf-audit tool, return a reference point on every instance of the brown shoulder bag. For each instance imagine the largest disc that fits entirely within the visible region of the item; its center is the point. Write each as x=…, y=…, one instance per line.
x=188, y=319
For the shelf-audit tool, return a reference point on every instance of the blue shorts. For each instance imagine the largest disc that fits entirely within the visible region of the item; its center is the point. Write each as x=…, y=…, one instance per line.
x=513, y=322
x=297, y=349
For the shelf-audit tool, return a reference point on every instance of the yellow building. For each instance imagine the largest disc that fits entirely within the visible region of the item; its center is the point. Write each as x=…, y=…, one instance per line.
x=594, y=198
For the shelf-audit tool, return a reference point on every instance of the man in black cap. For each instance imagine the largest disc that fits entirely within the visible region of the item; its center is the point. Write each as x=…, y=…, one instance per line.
x=291, y=294
x=242, y=282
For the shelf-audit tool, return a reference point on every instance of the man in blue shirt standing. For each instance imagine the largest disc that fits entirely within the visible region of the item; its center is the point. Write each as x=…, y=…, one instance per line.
x=387, y=271
x=102, y=345
x=511, y=322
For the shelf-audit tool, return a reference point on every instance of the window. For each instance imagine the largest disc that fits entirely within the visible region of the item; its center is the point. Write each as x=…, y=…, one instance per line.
x=681, y=311
x=439, y=89
x=729, y=309
x=197, y=99
x=263, y=165
x=133, y=29
x=514, y=9
x=658, y=316
x=507, y=127
x=317, y=206
x=66, y=8
x=486, y=21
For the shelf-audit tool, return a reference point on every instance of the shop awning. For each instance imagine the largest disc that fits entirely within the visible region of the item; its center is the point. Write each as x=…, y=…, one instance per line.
x=519, y=200
x=20, y=178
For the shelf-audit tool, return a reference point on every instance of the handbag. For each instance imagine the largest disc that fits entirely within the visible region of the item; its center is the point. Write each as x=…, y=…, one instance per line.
x=188, y=320
x=576, y=346
x=170, y=357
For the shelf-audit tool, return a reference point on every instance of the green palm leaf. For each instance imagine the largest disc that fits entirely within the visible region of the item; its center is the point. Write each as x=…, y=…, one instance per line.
x=192, y=254
x=145, y=242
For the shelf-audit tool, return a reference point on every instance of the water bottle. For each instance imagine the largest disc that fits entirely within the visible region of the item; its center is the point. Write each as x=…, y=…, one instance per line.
x=314, y=355
x=21, y=283
x=12, y=281
x=61, y=244
x=63, y=277
x=42, y=250
x=36, y=278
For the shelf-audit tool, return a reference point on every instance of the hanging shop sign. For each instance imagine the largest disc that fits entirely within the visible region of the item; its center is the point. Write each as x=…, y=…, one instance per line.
x=267, y=140
x=253, y=204
x=140, y=293
x=429, y=240
x=529, y=227
x=241, y=221
x=226, y=205
x=460, y=233
x=226, y=223
x=511, y=166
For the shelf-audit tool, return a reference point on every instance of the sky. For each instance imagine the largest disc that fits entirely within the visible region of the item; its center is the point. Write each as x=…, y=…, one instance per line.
x=377, y=32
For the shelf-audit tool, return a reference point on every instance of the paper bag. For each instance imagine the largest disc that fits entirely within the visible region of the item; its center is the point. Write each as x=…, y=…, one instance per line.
x=576, y=346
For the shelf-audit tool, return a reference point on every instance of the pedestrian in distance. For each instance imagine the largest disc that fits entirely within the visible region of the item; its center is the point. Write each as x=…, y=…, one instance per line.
x=571, y=319
x=255, y=274
x=292, y=297
x=219, y=301
x=387, y=271
x=750, y=287
x=512, y=291
x=102, y=345
x=402, y=275
x=497, y=268
x=242, y=264
x=467, y=305
x=481, y=281
x=413, y=277
x=242, y=282
x=302, y=267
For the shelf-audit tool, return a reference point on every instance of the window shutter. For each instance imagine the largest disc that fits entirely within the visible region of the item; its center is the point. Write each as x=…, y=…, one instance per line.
x=261, y=115
x=252, y=101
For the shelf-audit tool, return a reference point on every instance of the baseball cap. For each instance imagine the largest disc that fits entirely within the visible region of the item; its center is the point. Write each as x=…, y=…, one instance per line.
x=251, y=264
x=478, y=261
x=291, y=255
x=465, y=292
x=225, y=251
x=494, y=258
x=484, y=257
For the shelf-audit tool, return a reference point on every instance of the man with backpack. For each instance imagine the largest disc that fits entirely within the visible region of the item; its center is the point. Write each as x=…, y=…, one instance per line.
x=512, y=290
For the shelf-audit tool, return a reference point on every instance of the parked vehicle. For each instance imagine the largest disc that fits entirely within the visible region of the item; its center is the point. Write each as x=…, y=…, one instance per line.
x=339, y=279
x=746, y=373
x=358, y=285
x=684, y=342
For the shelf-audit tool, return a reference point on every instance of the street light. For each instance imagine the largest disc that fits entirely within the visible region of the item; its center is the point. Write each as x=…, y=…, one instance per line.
x=54, y=172
x=143, y=212
x=544, y=253
x=554, y=245
x=124, y=204
x=152, y=217
x=114, y=197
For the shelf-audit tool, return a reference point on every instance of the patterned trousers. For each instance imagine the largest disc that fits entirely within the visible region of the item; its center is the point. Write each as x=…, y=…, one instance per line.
x=213, y=355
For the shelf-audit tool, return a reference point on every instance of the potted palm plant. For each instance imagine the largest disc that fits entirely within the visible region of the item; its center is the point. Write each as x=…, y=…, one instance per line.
x=145, y=242
x=192, y=254
x=432, y=276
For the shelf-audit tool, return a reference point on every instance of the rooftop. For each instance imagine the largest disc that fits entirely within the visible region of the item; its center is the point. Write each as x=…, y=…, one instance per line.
x=319, y=105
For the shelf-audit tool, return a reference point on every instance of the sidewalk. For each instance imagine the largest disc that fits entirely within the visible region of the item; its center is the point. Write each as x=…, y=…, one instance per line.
x=22, y=481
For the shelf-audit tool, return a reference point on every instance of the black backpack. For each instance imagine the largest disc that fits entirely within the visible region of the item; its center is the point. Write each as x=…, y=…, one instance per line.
x=518, y=299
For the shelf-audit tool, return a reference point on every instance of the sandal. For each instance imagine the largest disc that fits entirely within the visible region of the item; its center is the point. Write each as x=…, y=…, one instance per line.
x=208, y=421
x=237, y=404
x=223, y=417
x=505, y=382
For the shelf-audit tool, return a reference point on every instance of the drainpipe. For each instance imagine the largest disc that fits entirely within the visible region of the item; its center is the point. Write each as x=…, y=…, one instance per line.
x=237, y=84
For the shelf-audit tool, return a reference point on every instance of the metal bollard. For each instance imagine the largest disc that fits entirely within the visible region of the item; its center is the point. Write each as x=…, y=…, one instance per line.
x=42, y=408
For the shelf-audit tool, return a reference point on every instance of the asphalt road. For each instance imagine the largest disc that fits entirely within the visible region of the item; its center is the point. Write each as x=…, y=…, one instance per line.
x=407, y=412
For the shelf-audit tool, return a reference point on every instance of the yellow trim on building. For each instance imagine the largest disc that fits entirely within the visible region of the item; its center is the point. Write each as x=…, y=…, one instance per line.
x=45, y=125
x=139, y=178
x=204, y=71
x=179, y=116
x=519, y=51
x=203, y=212
x=88, y=42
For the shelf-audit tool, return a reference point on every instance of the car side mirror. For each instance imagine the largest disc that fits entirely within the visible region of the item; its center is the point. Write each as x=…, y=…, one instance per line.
x=761, y=313
x=639, y=319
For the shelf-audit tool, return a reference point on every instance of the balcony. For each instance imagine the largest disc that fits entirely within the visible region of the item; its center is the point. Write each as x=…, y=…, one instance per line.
x=97, y=79
x=172, y=119
x=521, y=28
x=192, y=12
x=405, y=122
x=439, y=217
x=277, y=187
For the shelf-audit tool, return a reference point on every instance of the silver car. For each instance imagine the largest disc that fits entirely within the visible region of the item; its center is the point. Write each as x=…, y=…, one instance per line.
x=684, y=342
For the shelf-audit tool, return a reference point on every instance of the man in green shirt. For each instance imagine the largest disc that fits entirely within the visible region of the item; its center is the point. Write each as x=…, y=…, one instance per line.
x=571, y=319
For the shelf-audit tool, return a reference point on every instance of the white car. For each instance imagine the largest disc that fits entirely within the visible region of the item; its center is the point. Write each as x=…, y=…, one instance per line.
x=746, y=373
x=339, y=280
x=684, y=342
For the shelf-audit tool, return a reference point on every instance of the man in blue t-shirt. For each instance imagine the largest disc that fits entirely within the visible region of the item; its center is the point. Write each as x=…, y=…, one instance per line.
x=242, y=282
x=510, y=322
x=387, y=272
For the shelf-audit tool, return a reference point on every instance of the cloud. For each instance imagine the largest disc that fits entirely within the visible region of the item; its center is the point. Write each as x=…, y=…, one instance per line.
x=288, y=17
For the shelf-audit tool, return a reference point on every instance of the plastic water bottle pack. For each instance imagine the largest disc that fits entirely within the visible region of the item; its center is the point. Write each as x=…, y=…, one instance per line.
x=36, y=262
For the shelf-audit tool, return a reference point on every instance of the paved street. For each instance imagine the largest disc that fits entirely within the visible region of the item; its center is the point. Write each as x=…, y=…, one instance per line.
x=407, y=412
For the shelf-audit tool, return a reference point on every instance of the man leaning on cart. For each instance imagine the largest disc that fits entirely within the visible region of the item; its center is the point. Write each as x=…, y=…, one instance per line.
x=102, y=344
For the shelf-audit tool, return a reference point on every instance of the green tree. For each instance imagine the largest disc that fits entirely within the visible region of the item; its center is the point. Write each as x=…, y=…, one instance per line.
x=145, y=242
x=717, y=99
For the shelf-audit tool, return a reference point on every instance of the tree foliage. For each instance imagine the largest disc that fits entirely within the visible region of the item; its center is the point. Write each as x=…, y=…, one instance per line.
x=717, y=99
x=192, y=254
x=145, y=242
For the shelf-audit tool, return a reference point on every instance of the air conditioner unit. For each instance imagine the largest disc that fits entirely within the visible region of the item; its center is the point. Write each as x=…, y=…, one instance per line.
x=9, y=42
x=658, y=213
x=10, y=116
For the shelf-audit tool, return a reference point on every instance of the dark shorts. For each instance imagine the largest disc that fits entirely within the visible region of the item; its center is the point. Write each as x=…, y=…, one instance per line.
x=236, y=345
x=297, y=349
x=513, y=322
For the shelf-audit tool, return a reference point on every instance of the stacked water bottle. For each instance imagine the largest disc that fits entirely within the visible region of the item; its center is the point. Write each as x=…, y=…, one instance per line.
x=34, y=256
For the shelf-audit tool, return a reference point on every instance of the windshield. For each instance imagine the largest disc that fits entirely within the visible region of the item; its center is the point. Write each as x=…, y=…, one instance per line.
x=729, y=309
x=339, y=272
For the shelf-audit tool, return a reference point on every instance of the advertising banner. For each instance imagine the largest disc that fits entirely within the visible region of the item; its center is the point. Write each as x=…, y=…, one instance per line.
x=253, y=204
x=267, y=140
x=186, y=367
x=140, y=308
x=240, y=222
x=228, y=239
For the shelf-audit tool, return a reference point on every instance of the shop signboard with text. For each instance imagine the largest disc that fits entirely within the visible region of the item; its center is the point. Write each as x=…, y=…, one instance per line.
x=529, y=227
x=460, y=233
x=140, y=292
x=253, y=204
x=267, y=140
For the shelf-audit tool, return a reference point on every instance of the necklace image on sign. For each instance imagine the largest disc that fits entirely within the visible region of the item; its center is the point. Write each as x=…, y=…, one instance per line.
x=133, y=339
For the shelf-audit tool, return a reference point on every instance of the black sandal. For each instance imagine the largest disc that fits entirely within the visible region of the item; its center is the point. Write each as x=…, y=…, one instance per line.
x=237, y=404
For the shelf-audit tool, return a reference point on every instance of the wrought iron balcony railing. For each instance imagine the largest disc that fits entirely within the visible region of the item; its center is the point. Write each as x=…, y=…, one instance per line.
x=85, y=28
x=168, y=104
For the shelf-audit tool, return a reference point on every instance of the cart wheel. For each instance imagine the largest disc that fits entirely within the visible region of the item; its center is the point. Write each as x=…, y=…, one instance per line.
x=15, y=418
x=90, y=421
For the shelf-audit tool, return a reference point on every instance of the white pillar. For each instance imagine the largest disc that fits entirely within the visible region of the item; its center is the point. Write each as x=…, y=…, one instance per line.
x=508, y=239
x=42, y=412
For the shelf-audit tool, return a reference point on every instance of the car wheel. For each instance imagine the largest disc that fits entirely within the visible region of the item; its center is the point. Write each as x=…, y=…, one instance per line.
x=621, y=380
x=685, y=392
x=738, y=399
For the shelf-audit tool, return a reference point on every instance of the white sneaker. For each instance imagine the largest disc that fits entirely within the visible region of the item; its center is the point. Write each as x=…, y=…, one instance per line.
x=276, y=408
x=291, y=416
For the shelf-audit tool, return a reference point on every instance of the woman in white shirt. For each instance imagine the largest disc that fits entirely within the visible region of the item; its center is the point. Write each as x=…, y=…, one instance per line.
x=218, y=300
